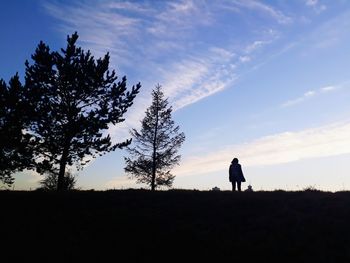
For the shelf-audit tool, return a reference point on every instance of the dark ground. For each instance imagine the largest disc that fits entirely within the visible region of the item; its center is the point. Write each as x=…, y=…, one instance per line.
x=138, y=225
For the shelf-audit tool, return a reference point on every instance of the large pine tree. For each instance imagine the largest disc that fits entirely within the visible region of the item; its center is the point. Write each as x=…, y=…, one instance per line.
x=74, y=99
x=155, y=147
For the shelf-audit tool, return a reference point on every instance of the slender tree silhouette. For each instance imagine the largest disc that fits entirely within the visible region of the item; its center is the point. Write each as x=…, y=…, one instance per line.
x=74, y=98
x=156, y=145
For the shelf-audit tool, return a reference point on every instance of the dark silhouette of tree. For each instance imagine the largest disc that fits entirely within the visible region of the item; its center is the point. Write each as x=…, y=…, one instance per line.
x=156, y=145
x=74, y=99
x=15, y=155
x=49, y=183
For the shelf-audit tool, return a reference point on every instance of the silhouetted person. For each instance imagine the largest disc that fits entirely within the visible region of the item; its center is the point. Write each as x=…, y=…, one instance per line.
x=236, y=175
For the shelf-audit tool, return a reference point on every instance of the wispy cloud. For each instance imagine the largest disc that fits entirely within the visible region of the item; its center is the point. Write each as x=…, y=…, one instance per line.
x=304, y=97
x=244, y=59
x=187, y=77
x=311, y=2
x=316, y=5
x=328, y=88
x=308, y=95
x=193, y=74
x=131, y=6
x=200, y=78
x=137, y=33
x=100, y=27
x=260, y=7
x=177, y=17
x=224, y=54
x=330, y=33
x=255, y=45
x=329, y=140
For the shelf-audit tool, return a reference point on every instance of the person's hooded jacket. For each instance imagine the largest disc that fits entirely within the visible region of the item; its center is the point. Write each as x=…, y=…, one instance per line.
x=235, y=172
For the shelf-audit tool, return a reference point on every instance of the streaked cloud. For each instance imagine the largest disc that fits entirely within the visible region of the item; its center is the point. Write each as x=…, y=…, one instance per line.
x=259, y=7
x=200, y=78
x=244, y=59
x=255, y=45
x=331, y=33
x=193, y=74
x=101, y=28
x=311, y=2
x=328, y=88
x=176, y=18
x=309, y=94
x=131, y=6
x=328, y=140
x=188, y=77
x=316, y=5
x=304, y=97
x=223, y=53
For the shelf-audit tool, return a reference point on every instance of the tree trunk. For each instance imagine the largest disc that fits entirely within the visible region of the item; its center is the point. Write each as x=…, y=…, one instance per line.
x=154, y=164
x=63, y=163
x=153, y=182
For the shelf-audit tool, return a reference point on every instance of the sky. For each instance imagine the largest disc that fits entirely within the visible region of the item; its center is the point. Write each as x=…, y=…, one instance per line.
x=267, y=82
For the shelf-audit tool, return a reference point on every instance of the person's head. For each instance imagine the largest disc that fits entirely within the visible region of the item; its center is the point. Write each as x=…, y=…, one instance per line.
x=235, y=160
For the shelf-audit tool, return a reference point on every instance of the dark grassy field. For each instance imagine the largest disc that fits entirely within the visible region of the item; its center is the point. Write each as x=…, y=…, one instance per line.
x=137, y=225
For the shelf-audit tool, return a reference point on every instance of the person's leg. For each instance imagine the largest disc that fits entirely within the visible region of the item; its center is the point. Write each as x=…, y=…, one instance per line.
x=233, y=186
x=239, y=186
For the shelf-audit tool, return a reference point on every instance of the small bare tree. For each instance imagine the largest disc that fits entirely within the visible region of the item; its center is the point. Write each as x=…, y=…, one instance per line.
x=50, y=181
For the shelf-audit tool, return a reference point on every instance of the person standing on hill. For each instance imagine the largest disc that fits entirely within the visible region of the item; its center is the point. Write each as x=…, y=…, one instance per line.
x=236, y=175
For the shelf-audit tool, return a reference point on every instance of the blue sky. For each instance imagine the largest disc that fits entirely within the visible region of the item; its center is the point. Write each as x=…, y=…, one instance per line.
x=267, y=82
